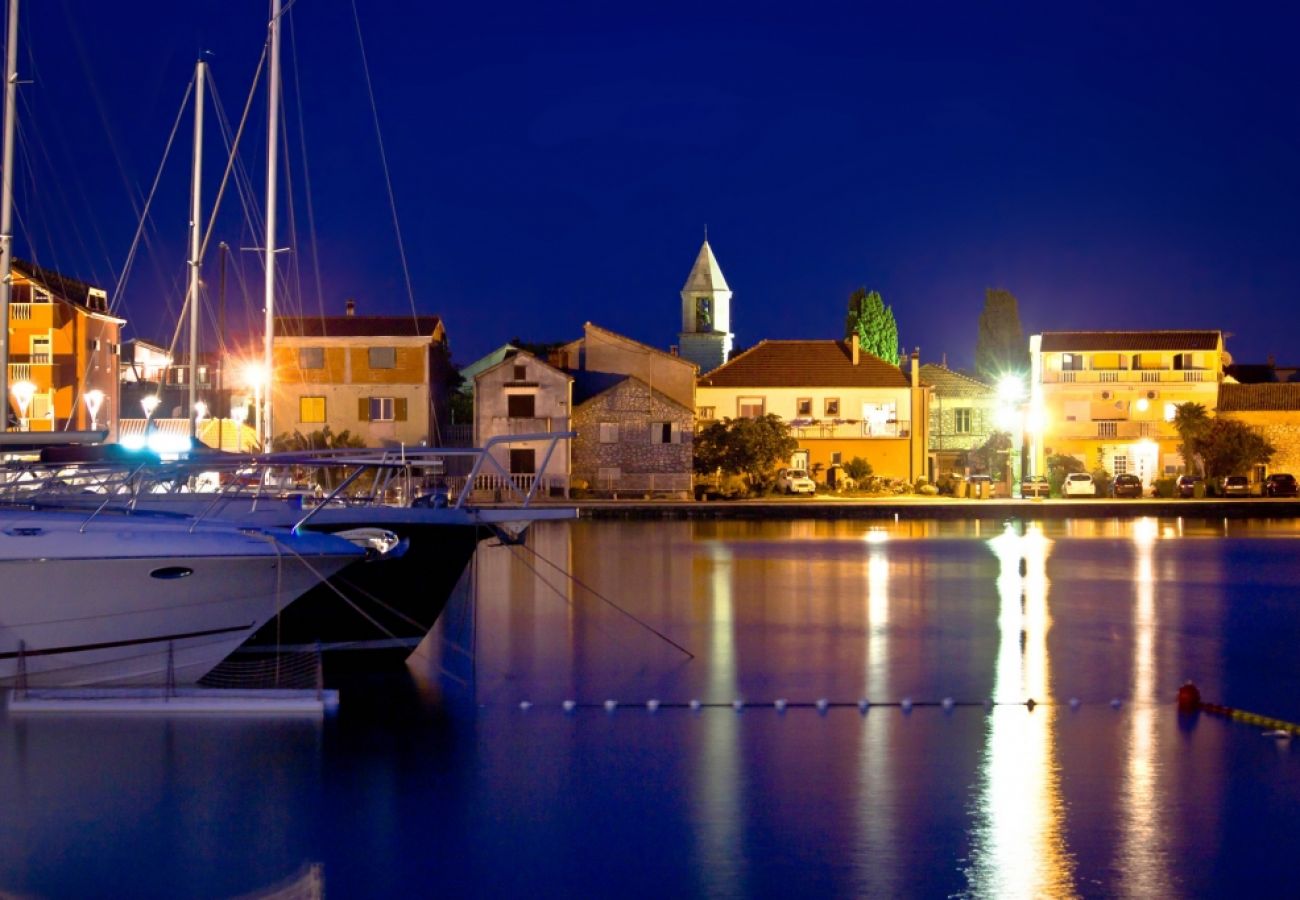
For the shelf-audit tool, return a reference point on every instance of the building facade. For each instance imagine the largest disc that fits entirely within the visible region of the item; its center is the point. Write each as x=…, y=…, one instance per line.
x=381, y=378
x=706, y=338
x=1108, y=398
x=840, y=403
x=963, y=416
x=64, y=347
x=523, y=395
x=1272, y=409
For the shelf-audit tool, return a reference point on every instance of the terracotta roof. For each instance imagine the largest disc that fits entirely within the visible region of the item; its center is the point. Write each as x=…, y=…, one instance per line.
x=947, y=383
x=356, y=326
x=1258, y=397
x=1057, y=341
x=804, y=364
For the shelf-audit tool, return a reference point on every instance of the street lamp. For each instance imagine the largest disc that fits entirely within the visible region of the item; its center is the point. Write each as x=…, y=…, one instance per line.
x=239, y=414
x=255, y=377
x=149, y=403
x=23, y=392
x=94, y=401
x=1012, y=417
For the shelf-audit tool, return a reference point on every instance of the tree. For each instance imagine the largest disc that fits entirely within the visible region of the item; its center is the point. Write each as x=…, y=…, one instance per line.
x=1229, y=447
x=873, y=322
x=328, y=476
x=1058, y=466
x=1191, y=421
x=753, y=448
x=991, y=456
x=1000, y=348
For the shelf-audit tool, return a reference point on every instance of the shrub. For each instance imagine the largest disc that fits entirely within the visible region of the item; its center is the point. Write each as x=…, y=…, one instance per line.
x=1165, y=487
x=920, y=483
x=858, y=469
x=1101, y=478
x=928, y=490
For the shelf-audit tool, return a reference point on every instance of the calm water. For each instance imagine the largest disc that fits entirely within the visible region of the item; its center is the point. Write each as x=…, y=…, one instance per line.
x=445, y=786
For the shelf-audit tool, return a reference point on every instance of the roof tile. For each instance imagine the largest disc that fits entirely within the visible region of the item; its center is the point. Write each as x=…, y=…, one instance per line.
x=804, y=364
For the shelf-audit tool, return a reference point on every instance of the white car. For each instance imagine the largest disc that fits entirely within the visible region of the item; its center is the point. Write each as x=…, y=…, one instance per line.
x=795, y=481
x=1078, y=484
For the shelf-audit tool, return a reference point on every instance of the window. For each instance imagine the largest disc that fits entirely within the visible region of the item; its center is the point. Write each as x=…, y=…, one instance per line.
x=832, y=407
x=837, y=458
x=94, y=345
x=880, y=418
x=803, y=407
x=705, y=412
x=203, y=375
x=313, y=358
x=521, y=406
x=381, y=409
x=41, y=349
x=311, y=409
x=41, y=295
x=1171, y=411
x=523, y=462
x=750, y=407
x=521, y=373
x=961, y=418
x=383, y=357
x=1121, y=465
x=665, y=433
x=1185, y=361
x=609, y=432
x=703, y=314
x=1071, y=362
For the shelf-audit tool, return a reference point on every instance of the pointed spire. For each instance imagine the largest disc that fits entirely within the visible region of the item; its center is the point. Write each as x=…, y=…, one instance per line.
x=706, y=274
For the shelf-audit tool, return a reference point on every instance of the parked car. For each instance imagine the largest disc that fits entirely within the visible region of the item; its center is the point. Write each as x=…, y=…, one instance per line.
x=795, y=481
x=1126, y=486
x=1281, y=485
x=1236, y=486
x=1078, y=484
x=1187, y=485
x=1035, y=486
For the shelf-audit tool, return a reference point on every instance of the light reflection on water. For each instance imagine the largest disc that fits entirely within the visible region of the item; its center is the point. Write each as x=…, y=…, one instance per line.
x=458, y=791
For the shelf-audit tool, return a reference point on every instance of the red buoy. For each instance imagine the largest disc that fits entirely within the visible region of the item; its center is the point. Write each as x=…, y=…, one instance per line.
x=1189, y=698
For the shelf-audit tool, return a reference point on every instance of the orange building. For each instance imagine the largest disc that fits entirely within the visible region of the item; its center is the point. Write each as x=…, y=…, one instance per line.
x=63, y=353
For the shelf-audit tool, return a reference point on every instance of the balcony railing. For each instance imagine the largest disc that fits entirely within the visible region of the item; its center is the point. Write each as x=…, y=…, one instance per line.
x=534, y=425
x=20, y=312
x=1120, y=376
x=19, y=372
x=850, y=429
x=41, y=359
x=1119, y=429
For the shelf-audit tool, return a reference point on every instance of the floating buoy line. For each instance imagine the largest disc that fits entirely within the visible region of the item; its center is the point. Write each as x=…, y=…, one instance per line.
x=821, y=705
x=1190, y=702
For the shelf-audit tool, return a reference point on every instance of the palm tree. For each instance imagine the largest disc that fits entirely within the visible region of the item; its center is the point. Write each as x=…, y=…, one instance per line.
x=1192, y=423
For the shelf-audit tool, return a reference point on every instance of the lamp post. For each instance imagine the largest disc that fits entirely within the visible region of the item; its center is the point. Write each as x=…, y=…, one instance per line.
x=1011, y=417
x=23, y=392
x=94, y=401
x=240, y=415
x=200, y=413
x=255, y=377
x=149, y=404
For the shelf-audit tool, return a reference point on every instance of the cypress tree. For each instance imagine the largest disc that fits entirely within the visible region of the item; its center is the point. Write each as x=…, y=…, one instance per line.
x=1001, y=348
x=873, y=322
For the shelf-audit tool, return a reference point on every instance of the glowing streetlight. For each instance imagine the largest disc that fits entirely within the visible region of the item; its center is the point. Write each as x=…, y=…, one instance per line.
x=149, y=404
x=23, y=392
x=94, y=401
x=200, y=411
x=240, y=415
x=255, y=377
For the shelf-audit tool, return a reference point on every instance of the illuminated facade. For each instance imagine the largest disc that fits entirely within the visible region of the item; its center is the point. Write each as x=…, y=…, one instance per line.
x=706, y=338
x=1108, y=397
x=63, y=348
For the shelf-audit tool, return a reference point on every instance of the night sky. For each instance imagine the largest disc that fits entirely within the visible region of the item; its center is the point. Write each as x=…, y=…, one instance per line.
x=557, y=163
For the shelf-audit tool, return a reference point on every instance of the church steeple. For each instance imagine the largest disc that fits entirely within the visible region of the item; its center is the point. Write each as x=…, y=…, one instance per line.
x=706, y=337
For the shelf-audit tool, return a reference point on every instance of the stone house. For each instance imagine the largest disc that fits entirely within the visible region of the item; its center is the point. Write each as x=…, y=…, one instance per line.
x=523, y=395
x=1274, y=409
x=963, y=416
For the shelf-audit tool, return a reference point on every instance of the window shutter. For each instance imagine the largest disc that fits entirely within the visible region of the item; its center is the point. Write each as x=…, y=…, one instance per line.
x=399, y=409
x=363, y=409
x=675, y=436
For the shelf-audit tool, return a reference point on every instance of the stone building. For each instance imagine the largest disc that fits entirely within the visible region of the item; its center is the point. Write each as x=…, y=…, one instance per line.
x=1274, y=409
x=522, y=395
x=631, y=438
x=963, y=415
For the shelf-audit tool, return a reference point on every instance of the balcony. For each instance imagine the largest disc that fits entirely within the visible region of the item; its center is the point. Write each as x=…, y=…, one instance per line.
x=20, y=312
x=845, y=428
x=519, y=425
x=1114, y=429
x=19, y=372
x=1128, y=376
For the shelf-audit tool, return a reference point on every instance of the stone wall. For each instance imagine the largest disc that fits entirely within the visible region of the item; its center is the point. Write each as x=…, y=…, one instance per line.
x=1282, y=429
x=943, y=424
x=633, y=407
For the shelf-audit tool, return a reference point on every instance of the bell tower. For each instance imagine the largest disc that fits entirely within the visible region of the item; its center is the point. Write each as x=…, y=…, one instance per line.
x=705, y=338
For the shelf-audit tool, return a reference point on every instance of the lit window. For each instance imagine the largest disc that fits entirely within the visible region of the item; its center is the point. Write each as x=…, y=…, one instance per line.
x=311, y=409
x=1171, y=410
x=705, y=412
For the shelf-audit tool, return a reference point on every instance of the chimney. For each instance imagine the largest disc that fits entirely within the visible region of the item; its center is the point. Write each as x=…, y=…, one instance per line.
x=351, y=307
x=853, y=342
x=916, y=367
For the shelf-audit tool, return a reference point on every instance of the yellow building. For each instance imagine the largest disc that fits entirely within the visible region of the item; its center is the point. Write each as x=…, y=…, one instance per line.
x=1108, y=397
x=381, y=378
x=63, y=353
x=840, y=403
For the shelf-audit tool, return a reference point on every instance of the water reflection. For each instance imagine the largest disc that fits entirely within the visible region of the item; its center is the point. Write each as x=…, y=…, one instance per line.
x=1018, y=843
x=877, y=790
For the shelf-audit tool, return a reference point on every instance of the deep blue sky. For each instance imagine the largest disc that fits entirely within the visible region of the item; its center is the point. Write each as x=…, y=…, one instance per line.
x=556, y=163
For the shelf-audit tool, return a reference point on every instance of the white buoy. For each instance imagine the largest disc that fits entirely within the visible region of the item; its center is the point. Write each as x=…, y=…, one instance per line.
x=988, y=705
x=1116, y=703
x=948, y=703
x=525, y=705
x=652, y=704
x=611, y=705
x=906, y=704
x=568, y=705
x=822, y=704
x=780, y=704
x=863, y=705
x=695, y=705
x=1279, y=734
x=737, y=705
x=1074, y=703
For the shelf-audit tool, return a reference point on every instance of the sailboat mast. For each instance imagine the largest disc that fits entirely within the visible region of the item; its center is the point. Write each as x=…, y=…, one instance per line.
x=7, y=207
x=272, y=158
x=200, y=77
